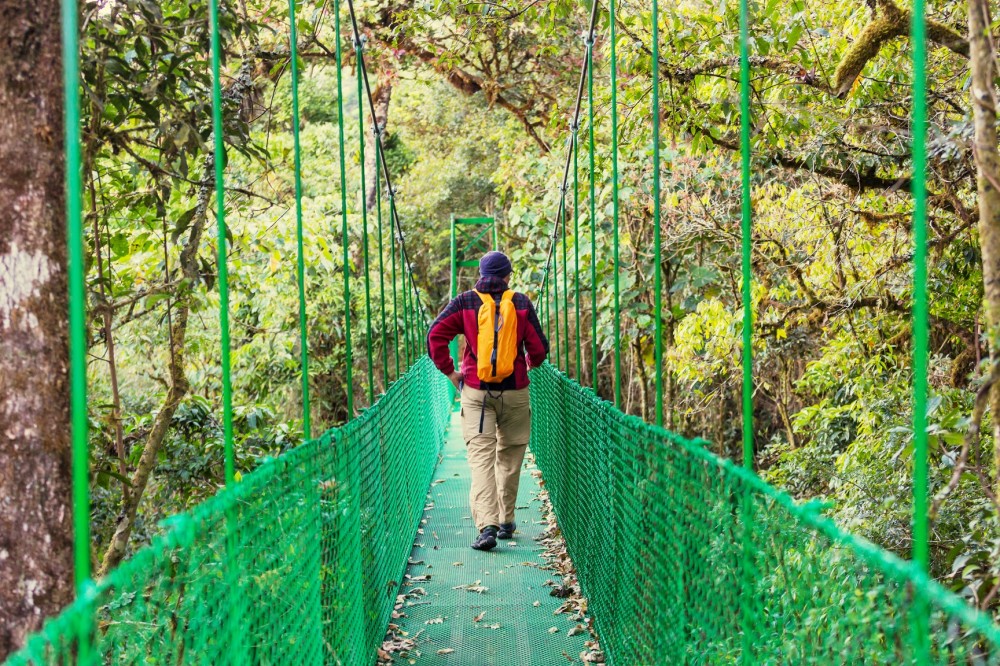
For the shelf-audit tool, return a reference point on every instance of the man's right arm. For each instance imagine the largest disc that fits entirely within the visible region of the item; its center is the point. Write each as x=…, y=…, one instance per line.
x=444, y=329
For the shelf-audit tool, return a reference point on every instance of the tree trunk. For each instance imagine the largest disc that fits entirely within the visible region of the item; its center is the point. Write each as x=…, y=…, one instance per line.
x=240, y=90
x=36, y=547
x=984, y=110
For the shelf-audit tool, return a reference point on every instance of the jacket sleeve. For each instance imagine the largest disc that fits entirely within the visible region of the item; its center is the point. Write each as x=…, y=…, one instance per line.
x=536, y=345
x=444, y=329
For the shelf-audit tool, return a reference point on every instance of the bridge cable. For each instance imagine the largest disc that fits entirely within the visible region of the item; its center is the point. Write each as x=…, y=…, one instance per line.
x=394, y=214
x=301, y=268
x=349, y=358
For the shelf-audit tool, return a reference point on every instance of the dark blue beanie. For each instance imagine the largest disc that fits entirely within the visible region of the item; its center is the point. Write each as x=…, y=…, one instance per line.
x=495, y=264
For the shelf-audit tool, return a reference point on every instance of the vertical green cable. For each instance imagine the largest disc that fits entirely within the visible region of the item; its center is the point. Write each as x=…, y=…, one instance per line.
x=748, y=607
x=562, y=212
x=593, y=216
x=381, y=253
x=359, y=45
x=576, y=249
x=920, y=314
x=220, y=212
x=349, y=359
x=77, y=303
x=404, y=274
x=614, y=190
x=746, y=238
x=453, y=292
x=555, y=289
x=303, y=331
x=395, y=299
x=657, y=250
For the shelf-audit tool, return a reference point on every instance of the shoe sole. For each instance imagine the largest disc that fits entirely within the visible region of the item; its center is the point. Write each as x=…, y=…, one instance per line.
x=485, y=546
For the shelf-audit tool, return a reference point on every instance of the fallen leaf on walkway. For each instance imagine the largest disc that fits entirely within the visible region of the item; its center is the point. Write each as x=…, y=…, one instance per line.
x=445, y=651
x=472, y=587
x=414, y=563
x=493, y=626
x=537, y=604
x=437, y=481
x=479, y=617
x=553, y=630
x=457, y=564
x=578, y=629
x=420, y=579
x=566, y=654
x=436, y=620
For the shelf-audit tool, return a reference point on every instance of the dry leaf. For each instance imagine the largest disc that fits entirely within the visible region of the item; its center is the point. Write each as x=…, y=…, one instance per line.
x=537, y=604
x=553, y=630
x=479, y=617
x=437, y=620
x=578, y=629
x=445, y=651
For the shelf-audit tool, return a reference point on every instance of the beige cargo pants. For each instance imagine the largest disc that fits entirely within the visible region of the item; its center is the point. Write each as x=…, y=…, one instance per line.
x=495, y=454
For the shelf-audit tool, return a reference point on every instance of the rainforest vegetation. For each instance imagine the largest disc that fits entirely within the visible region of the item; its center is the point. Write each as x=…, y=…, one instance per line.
x=476, y=100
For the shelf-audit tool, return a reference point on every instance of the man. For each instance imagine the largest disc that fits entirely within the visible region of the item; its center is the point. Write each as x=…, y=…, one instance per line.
x=496, y=416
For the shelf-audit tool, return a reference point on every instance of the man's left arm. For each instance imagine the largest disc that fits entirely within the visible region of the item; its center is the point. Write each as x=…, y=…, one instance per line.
x=536, y=345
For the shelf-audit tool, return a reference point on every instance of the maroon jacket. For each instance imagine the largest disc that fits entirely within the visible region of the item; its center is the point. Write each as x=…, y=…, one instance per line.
x=461, y=316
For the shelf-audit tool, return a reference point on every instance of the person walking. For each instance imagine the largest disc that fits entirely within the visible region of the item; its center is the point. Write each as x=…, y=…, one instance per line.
x=503, y=340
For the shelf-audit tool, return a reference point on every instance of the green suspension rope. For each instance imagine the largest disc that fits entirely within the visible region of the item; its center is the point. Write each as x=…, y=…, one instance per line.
x=746, y=240
x=381, y=251
x=576, y=247
x=359, y=47
x=920, y=325
x=301, y=269
x=555, y=290
x=593, y=214
x=614, y=194
x=747, y=575
x=565, y=279
x=349, y=360
x=657, y=250
x=395, y=299
x=220, y=213
x=77, y=303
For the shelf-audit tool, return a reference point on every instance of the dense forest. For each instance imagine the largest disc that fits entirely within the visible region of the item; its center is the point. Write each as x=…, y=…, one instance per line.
x=476, y=100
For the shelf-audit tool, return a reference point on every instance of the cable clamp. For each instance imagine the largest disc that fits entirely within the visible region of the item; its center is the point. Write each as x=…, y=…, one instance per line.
x=589, y=39
x=359, y=42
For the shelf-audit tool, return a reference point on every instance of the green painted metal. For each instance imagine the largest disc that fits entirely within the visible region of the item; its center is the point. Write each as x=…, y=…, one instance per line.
x=657, y=239
x=615, y=201
x=921, y=554
x=576, y=251
x=359, y=46
x=293, y=47
x=219, y=148
x=593, y=215
x=345, y=233
x=555, y=289
x=77, y=297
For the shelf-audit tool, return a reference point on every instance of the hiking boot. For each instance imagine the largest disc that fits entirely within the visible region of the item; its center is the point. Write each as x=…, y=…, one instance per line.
x=487, y=539
x=507, y=530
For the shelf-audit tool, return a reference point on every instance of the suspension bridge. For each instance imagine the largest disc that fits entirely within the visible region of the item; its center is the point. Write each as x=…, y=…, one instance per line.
x=684, y=557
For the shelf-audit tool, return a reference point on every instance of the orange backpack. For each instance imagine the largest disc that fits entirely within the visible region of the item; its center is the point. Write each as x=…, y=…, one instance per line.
x=497, y=340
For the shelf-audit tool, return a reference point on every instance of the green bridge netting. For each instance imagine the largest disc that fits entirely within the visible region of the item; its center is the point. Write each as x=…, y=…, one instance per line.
x=297, y=564
x=686, y=558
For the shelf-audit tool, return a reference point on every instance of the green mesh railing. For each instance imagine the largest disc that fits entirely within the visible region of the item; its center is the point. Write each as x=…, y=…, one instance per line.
x=296, y=564
x=687, y=558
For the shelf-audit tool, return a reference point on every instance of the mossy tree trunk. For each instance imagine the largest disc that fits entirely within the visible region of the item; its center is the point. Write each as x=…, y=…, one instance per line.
x=984, y=108
x=36, y=548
